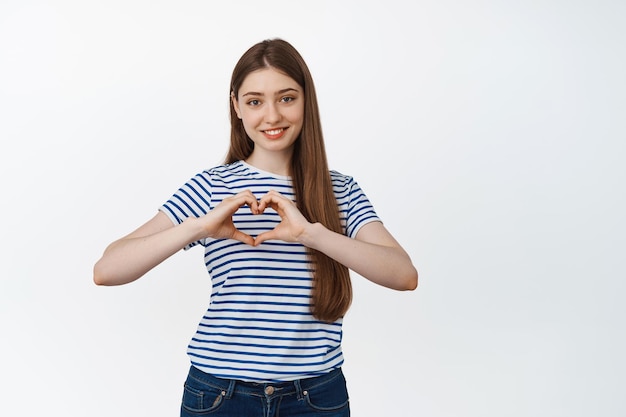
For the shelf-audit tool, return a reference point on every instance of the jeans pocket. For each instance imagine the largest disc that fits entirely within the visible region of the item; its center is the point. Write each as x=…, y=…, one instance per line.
x=201, y=400
x=330, y=396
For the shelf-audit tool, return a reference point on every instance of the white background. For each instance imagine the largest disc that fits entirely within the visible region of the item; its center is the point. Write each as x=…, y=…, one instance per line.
x=490, y=136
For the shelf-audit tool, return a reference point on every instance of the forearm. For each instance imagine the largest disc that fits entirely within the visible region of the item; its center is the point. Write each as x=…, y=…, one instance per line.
x=129, y=258
x=384, y=264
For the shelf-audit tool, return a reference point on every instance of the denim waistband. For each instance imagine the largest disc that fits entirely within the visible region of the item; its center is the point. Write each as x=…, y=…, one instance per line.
x=264, y=389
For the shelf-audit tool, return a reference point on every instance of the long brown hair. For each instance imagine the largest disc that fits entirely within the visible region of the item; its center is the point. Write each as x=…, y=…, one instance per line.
x=332, y=289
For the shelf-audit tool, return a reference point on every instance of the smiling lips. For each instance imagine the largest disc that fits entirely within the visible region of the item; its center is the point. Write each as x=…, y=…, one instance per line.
x=274, y=133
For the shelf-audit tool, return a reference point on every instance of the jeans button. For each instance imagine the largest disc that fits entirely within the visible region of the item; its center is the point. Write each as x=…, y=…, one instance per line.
x=269, y=390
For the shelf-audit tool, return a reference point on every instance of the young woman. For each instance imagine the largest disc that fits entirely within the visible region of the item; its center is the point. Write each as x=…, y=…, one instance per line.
x=280, y=233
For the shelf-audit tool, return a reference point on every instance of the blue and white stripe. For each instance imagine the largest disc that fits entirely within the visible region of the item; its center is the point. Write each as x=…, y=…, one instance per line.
x=258, y=326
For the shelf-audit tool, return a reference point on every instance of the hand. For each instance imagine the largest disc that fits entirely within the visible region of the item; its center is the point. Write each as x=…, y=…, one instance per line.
x=218, y=223
x=292, y=224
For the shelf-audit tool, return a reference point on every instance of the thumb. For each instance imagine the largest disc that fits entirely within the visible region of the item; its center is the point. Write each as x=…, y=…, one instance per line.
x=242, y=237
x=264, y=236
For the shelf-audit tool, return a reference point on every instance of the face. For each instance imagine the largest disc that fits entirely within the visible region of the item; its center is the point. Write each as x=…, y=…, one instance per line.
x=271, y=106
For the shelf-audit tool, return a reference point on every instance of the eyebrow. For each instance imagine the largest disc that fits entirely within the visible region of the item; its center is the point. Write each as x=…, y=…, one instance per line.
x=279, y=92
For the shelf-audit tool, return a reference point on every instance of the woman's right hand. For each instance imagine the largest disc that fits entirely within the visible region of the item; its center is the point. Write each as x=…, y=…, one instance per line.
x=130, y=257
x=218, y=223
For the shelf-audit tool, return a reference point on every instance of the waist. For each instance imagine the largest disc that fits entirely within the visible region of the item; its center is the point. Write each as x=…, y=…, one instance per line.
x=231, y=386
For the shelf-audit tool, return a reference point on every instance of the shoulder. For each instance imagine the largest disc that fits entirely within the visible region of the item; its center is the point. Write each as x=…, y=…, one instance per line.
x=225, y=170
x=345, y=186
x=340, y=180
x=222, y=173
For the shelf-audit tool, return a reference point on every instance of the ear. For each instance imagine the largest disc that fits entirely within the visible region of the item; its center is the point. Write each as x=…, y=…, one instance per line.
x=233, y=100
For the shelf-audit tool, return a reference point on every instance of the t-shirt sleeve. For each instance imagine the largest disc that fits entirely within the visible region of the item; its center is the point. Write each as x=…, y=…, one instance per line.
x=191, y=200
x=359, y=210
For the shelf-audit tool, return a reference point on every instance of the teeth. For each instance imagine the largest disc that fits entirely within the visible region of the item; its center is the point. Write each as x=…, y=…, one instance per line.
x=274, y=132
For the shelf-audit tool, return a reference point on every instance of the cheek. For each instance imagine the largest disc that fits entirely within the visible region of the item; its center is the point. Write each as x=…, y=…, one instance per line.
x=295, y=115
x=249, y=129
x=250, y=125
x=249, y=120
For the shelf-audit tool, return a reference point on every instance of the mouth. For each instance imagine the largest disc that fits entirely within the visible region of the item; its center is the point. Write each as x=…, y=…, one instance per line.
x=274, y=133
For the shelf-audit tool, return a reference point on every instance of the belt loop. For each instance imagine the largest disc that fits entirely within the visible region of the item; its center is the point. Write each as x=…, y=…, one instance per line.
x=231, y=389
x=296, y=383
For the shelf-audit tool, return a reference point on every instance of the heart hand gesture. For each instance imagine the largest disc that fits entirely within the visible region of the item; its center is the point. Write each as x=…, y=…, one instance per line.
x=292, y=224
x=219, y=224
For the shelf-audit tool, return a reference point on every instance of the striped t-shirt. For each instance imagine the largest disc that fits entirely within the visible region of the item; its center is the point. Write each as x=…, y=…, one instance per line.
x=258, y=326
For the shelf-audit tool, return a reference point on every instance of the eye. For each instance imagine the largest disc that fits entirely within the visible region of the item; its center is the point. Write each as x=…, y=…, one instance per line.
x=253, y=102
x=287, y=99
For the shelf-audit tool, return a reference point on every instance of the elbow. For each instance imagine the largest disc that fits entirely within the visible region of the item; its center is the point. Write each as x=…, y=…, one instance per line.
x=410, y=283
x=412, y=286
x=99, y=276
x=405, y=280
x=98, y=279
x=107, y=275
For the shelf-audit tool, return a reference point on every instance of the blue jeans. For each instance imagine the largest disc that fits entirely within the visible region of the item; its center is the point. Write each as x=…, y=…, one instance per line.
x=322, y=396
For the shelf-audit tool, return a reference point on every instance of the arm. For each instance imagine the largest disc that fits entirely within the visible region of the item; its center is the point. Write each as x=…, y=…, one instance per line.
x=373, y=254
x=130, y=257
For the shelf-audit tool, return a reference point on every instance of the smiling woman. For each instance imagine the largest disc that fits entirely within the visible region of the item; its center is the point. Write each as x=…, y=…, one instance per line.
x=270, y=105
x=280, y=233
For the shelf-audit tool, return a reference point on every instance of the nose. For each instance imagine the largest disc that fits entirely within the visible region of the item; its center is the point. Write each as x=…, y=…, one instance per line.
x=272, y=113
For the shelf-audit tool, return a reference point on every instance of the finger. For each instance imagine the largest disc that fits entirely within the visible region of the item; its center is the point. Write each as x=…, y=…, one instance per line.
x=264, y=204
x=254, y=206
x=273, y=199
x=243, y=237
x=243, y=198
x=264, y=236
x=251, y=201
x=263, y=201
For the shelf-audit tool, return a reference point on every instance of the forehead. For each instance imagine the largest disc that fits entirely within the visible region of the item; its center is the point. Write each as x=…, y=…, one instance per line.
x=266, y=81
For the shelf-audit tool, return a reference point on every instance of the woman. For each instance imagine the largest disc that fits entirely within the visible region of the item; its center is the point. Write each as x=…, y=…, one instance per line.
x=280, y=232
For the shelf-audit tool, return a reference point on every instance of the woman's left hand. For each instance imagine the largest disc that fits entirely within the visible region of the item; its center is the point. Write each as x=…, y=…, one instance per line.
x=373, y=253
x=293, y=224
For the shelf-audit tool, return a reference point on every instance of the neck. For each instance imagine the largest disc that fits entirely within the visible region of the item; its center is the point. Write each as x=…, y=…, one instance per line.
x=276, y=164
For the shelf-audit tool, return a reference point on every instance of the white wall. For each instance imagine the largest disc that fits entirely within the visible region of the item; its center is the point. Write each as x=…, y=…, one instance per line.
x=500, y=123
